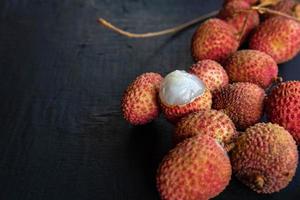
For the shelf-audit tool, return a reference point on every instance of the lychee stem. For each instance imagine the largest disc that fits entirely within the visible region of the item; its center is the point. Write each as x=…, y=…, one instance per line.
x=181, y=27
x=259, y=182
x=268, y=10
x=176, y=29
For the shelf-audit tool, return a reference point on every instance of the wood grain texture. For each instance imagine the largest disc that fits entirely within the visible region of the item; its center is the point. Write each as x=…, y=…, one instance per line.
x=62, y=135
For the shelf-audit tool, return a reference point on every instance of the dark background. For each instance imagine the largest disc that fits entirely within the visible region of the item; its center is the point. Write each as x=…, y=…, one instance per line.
x=62, y=135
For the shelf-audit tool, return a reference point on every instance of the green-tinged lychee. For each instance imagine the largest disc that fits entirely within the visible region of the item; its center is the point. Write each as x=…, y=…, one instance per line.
x=278, y=37
x=265, y=158
x=238, y=14
x=283, y=107
x=215, y=39
x=182, y=93
x=209, y=122
x=140, y=103
x=196, y=169
x=242, y=102
x=211, y=73
x=252, y=66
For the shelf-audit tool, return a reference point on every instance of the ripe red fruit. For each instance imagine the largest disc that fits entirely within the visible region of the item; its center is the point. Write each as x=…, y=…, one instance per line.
x=215, y=39
x=196, y=169
x=140, y=103
x=238, y=14
x=283, y=107
x=278, y=37
x=207, y=122
x=211, y=73
x=242, y=102
x=252, y=66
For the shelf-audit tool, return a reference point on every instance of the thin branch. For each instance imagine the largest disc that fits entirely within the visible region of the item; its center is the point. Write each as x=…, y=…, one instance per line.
x=267, y=10
x=176, y=29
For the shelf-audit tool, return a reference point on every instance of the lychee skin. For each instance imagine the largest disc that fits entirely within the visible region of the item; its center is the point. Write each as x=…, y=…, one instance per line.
x=140, y=104
x=237, y=14
x=211, y=73
x=265, y=158
x=252, y=66
x=284, y=6
x=283, y=107
x=196, y=169
x=173, y=113
x=214, y=39
x=278, y=37
x=242, y=102
x=210, y=122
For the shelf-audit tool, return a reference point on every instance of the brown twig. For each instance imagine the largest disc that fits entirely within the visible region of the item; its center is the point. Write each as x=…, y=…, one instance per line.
x=181, y=27
x=176, y=29
x=263, y=10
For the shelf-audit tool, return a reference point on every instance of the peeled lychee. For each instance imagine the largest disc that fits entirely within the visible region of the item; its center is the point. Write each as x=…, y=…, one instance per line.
x=265, y=158
x=238, y=14
x=140, y=103
x=242, y=102
x=278, y=37
x=215, y=39
x=208, y=122
x=252, y=66
x=211, y=73
x=283, y=107
x=182, y=93
x=196, y=169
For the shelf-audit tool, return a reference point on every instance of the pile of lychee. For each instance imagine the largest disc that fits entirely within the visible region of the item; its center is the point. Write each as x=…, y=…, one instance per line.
x=217, y=104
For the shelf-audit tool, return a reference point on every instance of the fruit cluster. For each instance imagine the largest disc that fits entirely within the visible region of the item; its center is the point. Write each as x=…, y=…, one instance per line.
x=217, y=104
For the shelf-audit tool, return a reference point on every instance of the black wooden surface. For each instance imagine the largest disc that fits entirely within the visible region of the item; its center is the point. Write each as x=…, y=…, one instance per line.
x=62, y=135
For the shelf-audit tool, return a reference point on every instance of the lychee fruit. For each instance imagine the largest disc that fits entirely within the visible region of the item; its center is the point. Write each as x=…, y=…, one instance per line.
x=196, y=169
x=265, y=158
x=284, y=6
x=283, y=107
x=140, y=103
x=215, y=39
x=242, y=102
x=211, y=73
x=238, y=14
x=182, y=93
x=208, y=122
x=252, y=66
x=278, y=37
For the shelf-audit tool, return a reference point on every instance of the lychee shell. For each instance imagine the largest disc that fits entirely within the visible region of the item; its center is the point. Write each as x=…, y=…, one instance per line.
x=265, y=158
x=196, y=169
x=140, y=103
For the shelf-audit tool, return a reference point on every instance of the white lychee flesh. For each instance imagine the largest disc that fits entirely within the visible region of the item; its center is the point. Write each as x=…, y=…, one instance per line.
x=180, y=87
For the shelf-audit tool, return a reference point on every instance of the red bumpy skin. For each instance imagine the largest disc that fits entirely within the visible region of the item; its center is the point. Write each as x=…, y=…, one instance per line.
x=140, y=100
x=242, y=102
x=284, y=6
x=211, y=73
x=173, y=113
x=265, y=158
x=252, y=66
x=283, y=107
x=214, y=39
x=237, y=14
x=278, y=37
x=211, y=122
x=196, y=169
